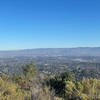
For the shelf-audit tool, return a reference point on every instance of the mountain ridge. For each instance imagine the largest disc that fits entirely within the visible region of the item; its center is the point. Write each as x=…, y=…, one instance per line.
x=78, y=51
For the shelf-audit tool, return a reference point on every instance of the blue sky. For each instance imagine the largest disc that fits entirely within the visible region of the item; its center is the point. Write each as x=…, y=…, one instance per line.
x=49, y=24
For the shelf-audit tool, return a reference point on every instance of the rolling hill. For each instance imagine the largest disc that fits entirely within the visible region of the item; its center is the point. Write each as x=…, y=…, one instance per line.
x=80, y=51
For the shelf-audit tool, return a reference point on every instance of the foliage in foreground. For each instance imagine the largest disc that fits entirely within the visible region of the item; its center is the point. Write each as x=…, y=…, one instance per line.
x=59, y=87
x=25, y=86
x=67, y=88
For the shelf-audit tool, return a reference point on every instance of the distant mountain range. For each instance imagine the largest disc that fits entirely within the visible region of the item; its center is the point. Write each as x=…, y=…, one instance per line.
x=80, y=51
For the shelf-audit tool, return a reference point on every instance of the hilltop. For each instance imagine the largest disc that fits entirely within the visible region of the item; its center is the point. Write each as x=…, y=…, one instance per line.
x=80, y=51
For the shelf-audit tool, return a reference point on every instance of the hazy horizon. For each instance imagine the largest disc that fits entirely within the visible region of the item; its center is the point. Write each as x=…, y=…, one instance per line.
x=48, y=48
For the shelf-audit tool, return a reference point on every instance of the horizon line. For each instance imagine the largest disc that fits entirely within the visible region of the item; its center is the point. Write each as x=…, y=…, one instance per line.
x=51, y=48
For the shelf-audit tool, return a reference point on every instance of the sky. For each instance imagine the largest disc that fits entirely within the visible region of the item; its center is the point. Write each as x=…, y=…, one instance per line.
x=26, y=24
